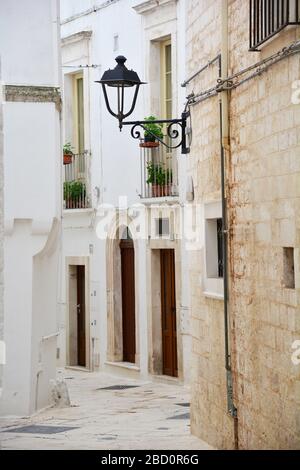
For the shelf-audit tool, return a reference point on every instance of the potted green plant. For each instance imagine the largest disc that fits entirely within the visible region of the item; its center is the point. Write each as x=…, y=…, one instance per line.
x=152, y=132
x=75, y=194
x=168, y=182
x=157, y=178
x=68, y=153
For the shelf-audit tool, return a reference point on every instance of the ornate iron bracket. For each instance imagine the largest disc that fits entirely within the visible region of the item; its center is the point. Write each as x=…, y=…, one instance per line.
x=172, y=133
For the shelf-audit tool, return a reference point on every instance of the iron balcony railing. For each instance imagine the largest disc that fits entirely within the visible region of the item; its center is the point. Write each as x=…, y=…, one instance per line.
x=158, y=172
x=269, y=17
x=76, y=191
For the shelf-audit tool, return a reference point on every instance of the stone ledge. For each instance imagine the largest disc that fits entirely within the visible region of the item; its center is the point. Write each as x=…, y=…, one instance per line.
x=73, y=38
x=32, y=94
x=149, y=5
x=123, y=365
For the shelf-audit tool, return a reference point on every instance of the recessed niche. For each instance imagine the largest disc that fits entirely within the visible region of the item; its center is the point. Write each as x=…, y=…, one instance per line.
x=288, y=268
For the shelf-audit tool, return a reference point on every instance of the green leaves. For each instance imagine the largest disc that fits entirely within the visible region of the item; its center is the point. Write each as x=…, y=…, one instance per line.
x=74, y=190
x=157, y=174
x=67, y=149
x=152, y=129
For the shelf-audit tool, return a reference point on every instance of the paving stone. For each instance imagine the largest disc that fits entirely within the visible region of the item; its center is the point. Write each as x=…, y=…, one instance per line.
x=184, y=416
x=37, y=429
x=130, y=419
x=118, y=387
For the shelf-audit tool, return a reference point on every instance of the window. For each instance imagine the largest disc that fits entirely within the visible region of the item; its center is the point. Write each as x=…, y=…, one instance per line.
x=166, y=59
x=126, y=235
x=269, y=17
x=78, y=119
x=214, y=248
x=166, y=82
x=163, y=227
x=220, y=248
x=213, y=262
x=167, y=102
x=288, y=268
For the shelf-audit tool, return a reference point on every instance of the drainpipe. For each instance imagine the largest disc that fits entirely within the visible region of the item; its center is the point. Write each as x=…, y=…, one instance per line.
x=225, y=146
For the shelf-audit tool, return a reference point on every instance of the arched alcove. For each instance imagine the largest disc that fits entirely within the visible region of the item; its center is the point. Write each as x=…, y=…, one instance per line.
x=122, y=322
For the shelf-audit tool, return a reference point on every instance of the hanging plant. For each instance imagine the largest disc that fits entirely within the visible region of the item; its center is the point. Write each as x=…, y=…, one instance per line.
x=68, y=153
x=153, y=131
x=160, y=179
x=74, y=194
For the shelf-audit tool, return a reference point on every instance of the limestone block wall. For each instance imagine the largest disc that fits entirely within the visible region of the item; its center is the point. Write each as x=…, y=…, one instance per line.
x=264, y=174
x=209, y=419
x=263, y=189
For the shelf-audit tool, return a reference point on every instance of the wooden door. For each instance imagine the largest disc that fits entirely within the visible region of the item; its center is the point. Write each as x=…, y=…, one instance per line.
x=81, y=350
x=168, y=311
x=128, y=300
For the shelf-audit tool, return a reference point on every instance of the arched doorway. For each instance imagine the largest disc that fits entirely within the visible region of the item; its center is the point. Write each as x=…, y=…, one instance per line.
x=128, y=297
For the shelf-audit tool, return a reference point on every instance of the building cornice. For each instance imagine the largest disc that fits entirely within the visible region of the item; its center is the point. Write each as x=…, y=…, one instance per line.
x=150, y=5
x=77, y=37
x=94, y=9
x=32, y=94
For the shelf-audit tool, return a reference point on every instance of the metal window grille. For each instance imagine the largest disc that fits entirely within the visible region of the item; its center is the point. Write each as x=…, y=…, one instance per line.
x=158, y=173
x=76, y=191
x=269, y=17
x=220, y=248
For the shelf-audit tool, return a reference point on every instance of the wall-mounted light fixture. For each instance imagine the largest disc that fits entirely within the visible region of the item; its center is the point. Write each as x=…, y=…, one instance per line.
x=121, y=78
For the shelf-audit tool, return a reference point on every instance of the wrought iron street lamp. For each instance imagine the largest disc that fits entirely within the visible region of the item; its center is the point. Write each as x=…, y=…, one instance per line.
x=120, y=78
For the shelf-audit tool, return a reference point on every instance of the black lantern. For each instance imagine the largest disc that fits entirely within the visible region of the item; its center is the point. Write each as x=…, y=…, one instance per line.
x=120, y=78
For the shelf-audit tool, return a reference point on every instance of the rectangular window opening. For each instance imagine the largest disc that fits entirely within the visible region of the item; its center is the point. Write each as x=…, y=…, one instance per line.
x=220, y=248
x=214, y=248
x=288, y=268
x=166, y=82
x=163, y=227
x=78, y=113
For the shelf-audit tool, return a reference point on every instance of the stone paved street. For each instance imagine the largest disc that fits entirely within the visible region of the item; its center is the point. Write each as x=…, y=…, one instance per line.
x=153, y=415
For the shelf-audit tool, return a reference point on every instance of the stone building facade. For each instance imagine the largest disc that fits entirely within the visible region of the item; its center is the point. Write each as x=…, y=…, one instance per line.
x=152, y=39
x=30, y=74
x=262, y=197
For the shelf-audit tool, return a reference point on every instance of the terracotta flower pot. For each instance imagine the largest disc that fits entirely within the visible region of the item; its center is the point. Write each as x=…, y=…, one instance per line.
x=167, y=190
x=157, y=190
x=75, y=204
x=149, y=144
x=67, y=158
x=68, y=202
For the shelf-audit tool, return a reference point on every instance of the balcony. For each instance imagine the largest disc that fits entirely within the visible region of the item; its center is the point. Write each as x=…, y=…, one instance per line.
x=158, y=172
x=76, y=191
x=269, y=17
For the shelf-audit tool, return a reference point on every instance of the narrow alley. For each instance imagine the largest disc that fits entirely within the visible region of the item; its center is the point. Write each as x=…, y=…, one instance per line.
x=149, y=228
x=105, y=414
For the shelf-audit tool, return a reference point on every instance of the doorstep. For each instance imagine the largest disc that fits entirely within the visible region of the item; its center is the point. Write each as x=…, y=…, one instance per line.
x=167, y=379
x=87, y=210
x=78, y=368
x=123, y=369
x=123, y=365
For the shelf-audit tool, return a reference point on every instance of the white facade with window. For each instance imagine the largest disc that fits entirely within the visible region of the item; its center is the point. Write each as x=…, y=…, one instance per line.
x=30, y=74
x=151, y=36
x=105, y=161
